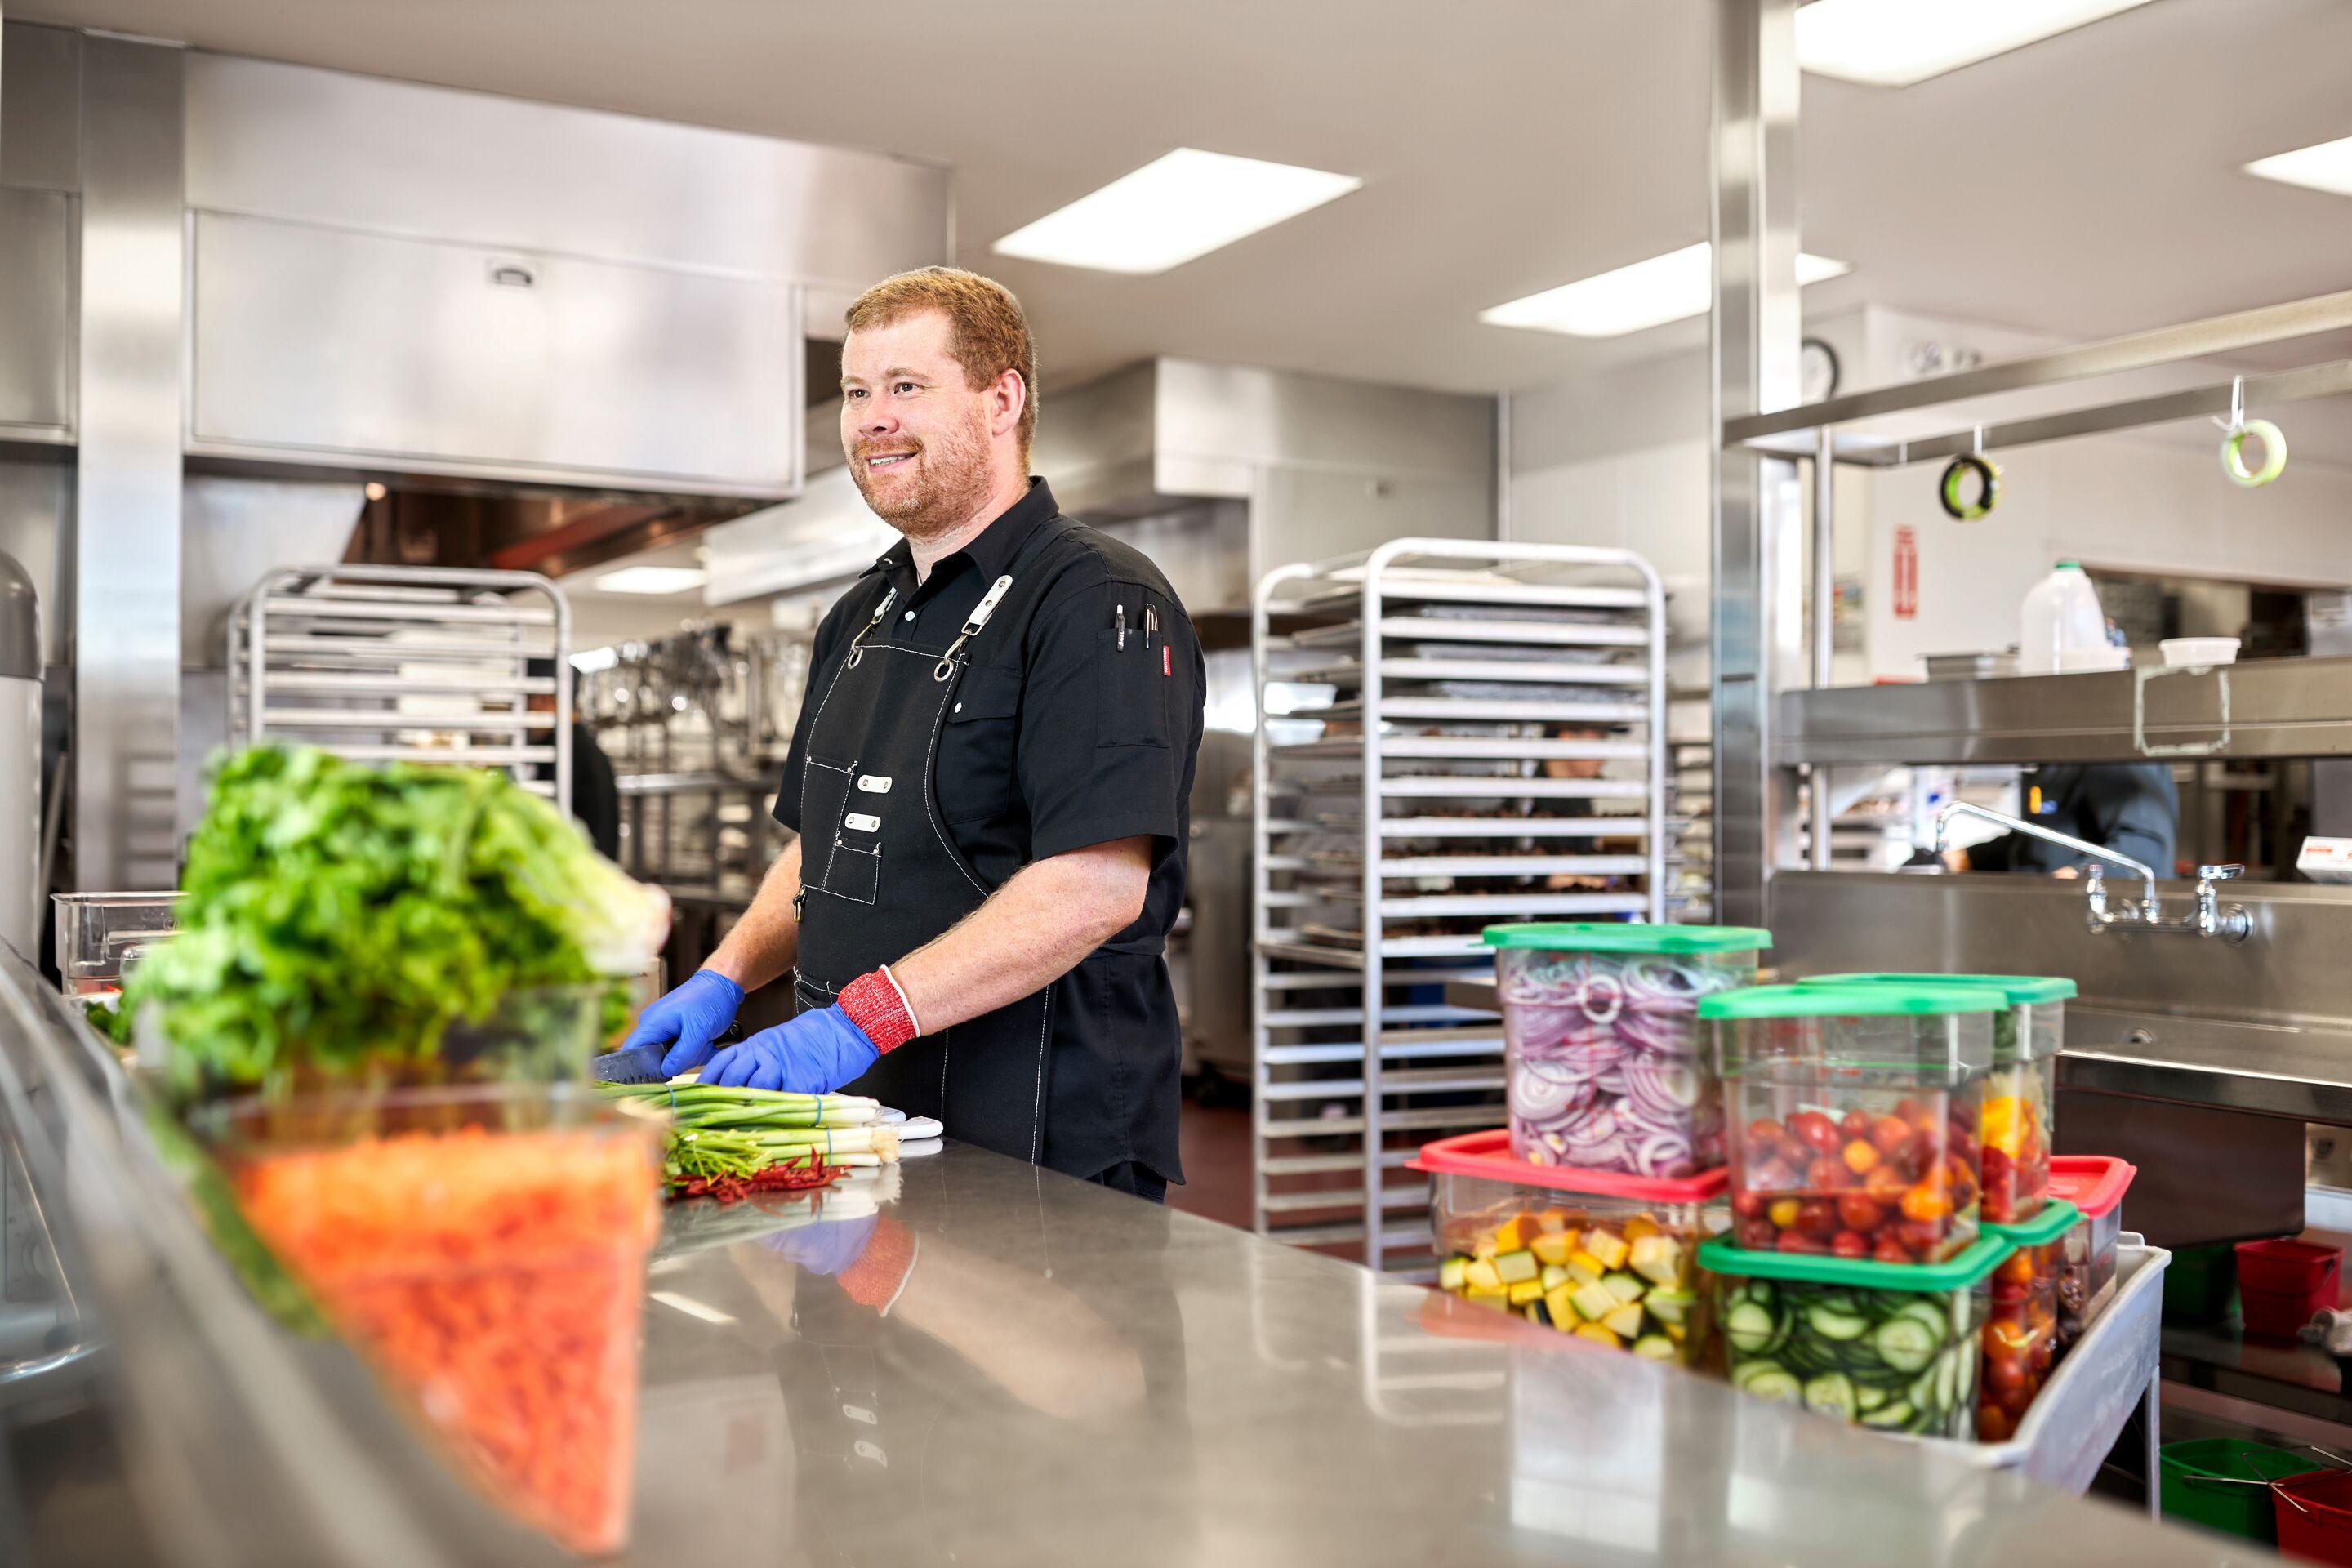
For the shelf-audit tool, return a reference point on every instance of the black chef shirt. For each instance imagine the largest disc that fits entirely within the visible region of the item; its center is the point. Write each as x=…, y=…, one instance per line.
x=1059, y=738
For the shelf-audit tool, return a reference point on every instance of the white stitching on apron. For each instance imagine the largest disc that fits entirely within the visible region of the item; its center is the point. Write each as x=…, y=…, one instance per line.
x=931, y=767
x=1038, y=1106
x=947, y=1043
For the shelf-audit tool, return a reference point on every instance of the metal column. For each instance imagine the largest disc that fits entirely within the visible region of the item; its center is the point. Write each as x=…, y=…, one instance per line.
x=1756, y=343
x=126, y=489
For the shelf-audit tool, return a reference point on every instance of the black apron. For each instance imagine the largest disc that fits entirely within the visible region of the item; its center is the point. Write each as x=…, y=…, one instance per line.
x=880, y=876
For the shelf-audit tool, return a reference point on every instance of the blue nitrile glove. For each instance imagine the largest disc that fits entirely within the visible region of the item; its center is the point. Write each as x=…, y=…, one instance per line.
x=687, y=1020
x=828, y=1246
x=815, y=1052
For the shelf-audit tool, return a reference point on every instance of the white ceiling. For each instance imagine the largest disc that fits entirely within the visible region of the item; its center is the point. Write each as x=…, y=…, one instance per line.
x=2084, y=186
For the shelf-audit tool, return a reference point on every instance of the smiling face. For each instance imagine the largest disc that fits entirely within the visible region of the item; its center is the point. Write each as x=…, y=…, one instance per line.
x=926, y=448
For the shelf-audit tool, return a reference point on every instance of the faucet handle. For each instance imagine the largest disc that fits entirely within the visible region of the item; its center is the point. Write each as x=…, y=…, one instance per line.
x=2218, y=873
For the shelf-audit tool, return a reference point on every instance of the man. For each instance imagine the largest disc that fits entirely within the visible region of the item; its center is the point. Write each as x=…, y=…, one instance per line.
x=988, y=779
x=595, y=791
x=2131, y=808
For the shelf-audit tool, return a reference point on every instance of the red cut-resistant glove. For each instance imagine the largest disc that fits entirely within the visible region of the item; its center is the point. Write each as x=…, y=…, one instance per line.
x=881, y=1270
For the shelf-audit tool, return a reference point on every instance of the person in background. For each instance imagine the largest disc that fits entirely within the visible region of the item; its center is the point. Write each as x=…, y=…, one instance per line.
x=2131, y=808
x=595, y=793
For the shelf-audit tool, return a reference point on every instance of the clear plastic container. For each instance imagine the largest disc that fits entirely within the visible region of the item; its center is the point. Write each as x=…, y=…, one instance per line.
x=484, y=1248
x=1607, y=1065
x=2094, y=1185
x=2018, y=1125
x=1605, y=1258
x=102, y=934
x=2061, y=616
x=2020, y=1332
x=1852, y=1114
x=1893, y=1347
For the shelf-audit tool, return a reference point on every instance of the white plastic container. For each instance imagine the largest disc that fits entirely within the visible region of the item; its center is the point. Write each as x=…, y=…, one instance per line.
x=2180, y=652
x=2062, y=615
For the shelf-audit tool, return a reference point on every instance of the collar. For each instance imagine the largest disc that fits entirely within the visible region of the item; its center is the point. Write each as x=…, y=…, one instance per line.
x=993, y=550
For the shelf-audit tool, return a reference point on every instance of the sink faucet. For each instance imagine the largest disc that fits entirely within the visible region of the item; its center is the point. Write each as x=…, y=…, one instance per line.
x=2231, y=923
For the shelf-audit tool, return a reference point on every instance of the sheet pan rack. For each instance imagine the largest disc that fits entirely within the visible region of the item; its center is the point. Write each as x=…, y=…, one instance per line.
x=408, y=663
x=1461, y=732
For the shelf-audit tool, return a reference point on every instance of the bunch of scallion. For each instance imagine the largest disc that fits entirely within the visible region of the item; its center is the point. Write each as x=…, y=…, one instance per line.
x=717, y=1132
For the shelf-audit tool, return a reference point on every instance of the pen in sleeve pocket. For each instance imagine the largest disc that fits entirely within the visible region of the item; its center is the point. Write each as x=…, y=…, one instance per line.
x=1150, y=624
x=1122, y=628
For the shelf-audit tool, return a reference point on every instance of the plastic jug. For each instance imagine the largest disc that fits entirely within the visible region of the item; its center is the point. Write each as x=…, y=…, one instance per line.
x=2062, y=615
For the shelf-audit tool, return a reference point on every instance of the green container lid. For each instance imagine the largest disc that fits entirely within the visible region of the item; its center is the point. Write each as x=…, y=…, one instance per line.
x=1873, y=1000
x=2056, y=1218
x=1628, y=936
x=2021, y=989
x=1958, y=1272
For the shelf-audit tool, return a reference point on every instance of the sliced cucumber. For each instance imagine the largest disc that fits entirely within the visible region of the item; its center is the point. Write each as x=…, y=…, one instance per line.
x=1748, y=1328
x=1654, y=1347
x=1888, y=1417
x=1830, y=1394
x=1771, y=1382
x=1831, y=1323
x=1867, y=1398
x=1948, y=1381
x=1904, y=1343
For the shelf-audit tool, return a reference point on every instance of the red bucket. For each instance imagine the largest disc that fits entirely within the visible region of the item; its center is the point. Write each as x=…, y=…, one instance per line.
x=2281, y=1283
x=2314, y=1516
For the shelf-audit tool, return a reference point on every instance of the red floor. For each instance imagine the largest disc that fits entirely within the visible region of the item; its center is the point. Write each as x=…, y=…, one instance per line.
x=1216, y=1153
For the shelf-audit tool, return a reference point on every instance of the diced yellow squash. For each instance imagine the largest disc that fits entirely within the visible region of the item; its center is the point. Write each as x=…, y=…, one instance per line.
x=1658, y=1259
x=1485, y=1247
x=1599, y=1334
x=1514, y=1233
x=1552, y=1222
x=1526, y=1290
x=1593, y=1301
x=1552, y=1247
x=1608, y=1247
x=1486, y=1298
x=1562, y=1309
x=1553, y=1278
x=1625, y=1322
x=1676, y=1332
x=1580, y=1257
x=1481, y=1276
x=1652, y=1347
x=1452, y=1274
x=1517, y=1265
x=1640, y=1225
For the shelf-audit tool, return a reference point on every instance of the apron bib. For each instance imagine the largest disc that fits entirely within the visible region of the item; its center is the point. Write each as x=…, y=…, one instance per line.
x=880, y=874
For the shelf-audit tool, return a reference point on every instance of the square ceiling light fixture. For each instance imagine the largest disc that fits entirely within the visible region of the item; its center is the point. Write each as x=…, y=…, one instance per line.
x=1173, y=210
x=1895, y=43
x=1647, y=294
x=652, y=580
x=2326, y=167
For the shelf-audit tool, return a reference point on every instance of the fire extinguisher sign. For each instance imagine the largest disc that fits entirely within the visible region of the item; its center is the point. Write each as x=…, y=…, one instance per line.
x=1906, y=574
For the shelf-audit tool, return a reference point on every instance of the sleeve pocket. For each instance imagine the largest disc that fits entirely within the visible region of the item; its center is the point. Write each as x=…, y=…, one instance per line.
x=1132, y=684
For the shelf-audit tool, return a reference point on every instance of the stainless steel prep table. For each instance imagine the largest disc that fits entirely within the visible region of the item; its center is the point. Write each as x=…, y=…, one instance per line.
x=1069, y=1376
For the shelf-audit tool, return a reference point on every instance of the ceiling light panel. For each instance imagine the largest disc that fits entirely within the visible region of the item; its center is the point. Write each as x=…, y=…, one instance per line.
x=652, y=580
x=1895, y=43
x=1650, y=293
x=2326, y=167
x=1173, y=210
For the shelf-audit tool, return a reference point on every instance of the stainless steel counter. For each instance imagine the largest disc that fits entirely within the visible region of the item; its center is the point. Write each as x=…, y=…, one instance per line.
x=1068, y=1376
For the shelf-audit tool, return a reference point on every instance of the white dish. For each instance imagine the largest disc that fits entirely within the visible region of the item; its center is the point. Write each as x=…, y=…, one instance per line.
x=2076, y=660
x=2181, y=652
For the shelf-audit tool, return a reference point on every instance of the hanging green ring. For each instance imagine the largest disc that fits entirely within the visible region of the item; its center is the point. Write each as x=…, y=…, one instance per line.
x=2233, y=453
x=1987, y=473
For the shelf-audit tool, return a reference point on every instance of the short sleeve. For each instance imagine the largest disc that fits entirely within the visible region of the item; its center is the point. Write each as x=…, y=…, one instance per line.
x=821, y=651
x=1109, y=718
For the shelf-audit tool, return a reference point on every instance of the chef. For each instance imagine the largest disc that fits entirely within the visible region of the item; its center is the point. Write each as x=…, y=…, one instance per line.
x=989, y=782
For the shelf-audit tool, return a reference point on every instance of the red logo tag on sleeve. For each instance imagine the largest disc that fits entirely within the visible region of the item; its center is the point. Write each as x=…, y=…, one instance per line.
x=1165, y=668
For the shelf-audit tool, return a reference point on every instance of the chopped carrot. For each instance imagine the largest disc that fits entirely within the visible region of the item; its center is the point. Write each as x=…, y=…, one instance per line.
x=497, y=1279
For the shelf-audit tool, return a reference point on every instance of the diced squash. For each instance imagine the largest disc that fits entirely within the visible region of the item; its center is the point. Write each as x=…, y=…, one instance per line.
x=1486, y=1298
x=1583, y=1270
x=1507, y=1236
x=1515, y=1265
x=1658, y=1259
x=1608, y=1248
x=1625, y=1322
x=1532, y=1312
x=1526, y=1290
x=1640, y=1225
x=1678, y=1332
x=1563, y=1310
x=1481, y=1276
x=1593, y=1300
x=1451, y=1275
x=1552, y=1222
x=1597, y=1334
x=1554, y=1276
x=1670, y=1306
x=1625, y=1286
x=1552, y=1247
x=1485, y=1247
x=1591, y=1260
x=1654, y=1347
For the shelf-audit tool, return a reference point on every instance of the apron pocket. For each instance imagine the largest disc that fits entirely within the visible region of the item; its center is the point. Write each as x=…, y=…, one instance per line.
x=855, y=873
x=977, y=743
x=824, y=793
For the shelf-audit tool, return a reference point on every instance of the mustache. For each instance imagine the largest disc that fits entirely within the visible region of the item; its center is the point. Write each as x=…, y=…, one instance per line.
x=876, y=449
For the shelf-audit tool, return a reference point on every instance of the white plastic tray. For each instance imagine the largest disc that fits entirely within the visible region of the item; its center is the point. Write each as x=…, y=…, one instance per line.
x=2108, y=1372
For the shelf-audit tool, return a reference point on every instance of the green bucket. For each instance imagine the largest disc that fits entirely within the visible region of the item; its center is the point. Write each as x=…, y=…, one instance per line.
x=2225, y=1485
x=2201, y=1284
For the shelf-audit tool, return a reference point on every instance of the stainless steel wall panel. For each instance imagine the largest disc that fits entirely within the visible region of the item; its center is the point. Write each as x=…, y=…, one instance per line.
x=40, y=107
x=36, y=515
x=319, y=146
x=458, y=358
x=1266, y=416
x=37, y=315
x=127, y=505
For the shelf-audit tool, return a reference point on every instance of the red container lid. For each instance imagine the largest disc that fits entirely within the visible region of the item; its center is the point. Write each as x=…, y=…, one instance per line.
x=2092, y=1183
x=1488, y=1154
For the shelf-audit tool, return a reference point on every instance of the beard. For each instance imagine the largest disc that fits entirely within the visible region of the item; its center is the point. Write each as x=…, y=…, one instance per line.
x=937, y=489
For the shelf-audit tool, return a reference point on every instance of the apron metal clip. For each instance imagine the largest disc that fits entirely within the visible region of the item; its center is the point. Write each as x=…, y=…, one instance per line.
x=857, y=644
x=980, y=613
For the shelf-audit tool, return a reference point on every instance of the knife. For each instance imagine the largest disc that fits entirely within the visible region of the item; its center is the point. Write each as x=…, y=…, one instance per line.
x=643, y=1064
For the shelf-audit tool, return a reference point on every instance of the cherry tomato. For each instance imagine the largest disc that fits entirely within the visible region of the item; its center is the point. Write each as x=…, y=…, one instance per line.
x=1847, y=1244
x=1858, y=1212
x=1818, y=1216
x=1758, y=1235
x=1818, y=1132
x=1992, y=1427
x=1763, y=1131
x=1747, y=1203
x=1890, y=1133
x=1783, y=1213
x=1798, y=1241
x=1885, y=1183
x=1910, y=1110
x=2017, y=1268
x=2002, y=1371
x=1861, y=1156
x=1829, y=1174
x=1774, y=1176
x=1886, y=1250
x=1855, y=1124
x=1925, y=1203
x=1923, y=1237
